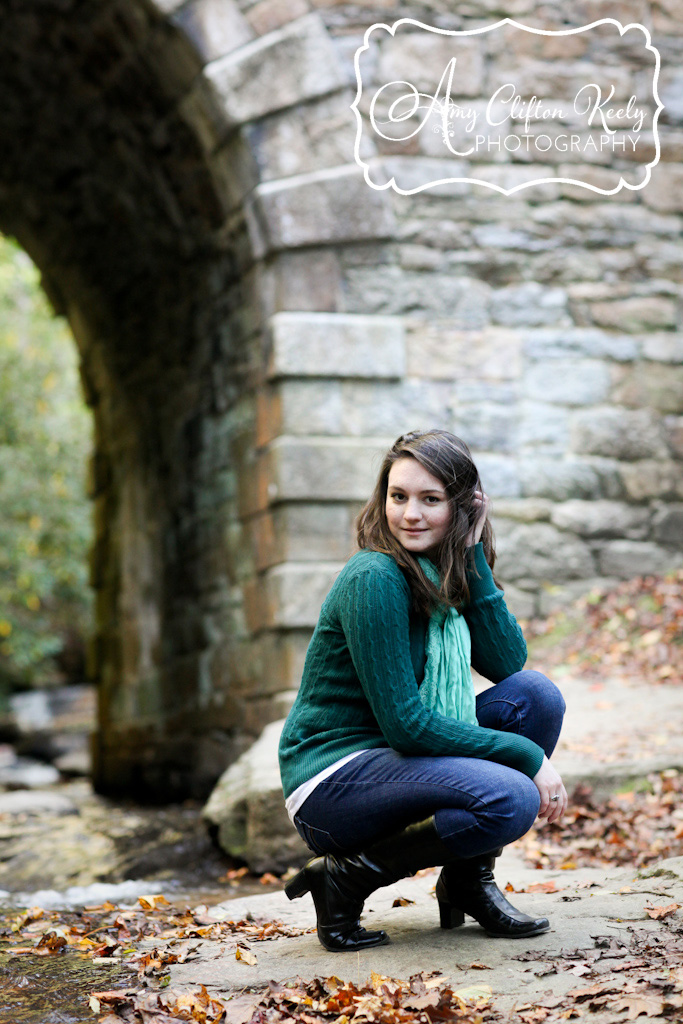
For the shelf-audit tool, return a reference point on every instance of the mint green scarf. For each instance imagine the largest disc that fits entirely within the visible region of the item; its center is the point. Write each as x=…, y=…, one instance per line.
x=447, y=686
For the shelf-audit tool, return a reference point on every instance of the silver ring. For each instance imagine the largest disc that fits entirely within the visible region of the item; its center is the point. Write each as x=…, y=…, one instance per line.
x=554, y=799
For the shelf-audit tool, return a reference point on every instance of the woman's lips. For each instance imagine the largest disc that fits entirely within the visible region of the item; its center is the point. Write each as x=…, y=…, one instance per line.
x=407, y=529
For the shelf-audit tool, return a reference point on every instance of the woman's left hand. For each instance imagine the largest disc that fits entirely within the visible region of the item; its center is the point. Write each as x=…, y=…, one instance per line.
x=481, y=502
x=552, y=792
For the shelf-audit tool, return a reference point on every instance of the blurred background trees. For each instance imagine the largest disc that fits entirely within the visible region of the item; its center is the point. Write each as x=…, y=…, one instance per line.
x=45, y=529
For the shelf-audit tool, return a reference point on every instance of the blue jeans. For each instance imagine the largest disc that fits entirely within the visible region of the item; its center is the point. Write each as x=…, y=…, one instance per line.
x=478, y=805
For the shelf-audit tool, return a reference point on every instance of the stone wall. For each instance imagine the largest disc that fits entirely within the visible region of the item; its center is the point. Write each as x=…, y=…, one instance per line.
x=256, y=325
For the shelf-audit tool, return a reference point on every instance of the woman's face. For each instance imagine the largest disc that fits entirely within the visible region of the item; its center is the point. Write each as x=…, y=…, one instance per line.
x=418, y=513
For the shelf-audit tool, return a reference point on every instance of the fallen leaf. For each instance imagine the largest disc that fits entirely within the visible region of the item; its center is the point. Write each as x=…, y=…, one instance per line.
x=550, y=886
x=153, y=902
x=479, y=995
x=246, y=955
x=634, y=1005
x=401, y=901
x=660, y=913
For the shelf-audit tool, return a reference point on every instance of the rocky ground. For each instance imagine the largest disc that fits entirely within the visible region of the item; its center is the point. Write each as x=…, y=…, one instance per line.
x=56, y=834
x=613, y=952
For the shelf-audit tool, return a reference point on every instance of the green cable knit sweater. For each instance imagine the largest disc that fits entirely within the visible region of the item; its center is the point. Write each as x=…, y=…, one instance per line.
x=364, y=664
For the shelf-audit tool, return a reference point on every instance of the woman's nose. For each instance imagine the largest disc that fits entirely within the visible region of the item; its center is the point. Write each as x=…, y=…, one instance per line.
x=412, y=512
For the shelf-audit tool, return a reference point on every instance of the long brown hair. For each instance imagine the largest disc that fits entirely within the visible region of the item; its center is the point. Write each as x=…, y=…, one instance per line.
x=449, y=459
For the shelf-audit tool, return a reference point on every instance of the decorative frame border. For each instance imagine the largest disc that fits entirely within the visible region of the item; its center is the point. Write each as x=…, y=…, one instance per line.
x=365, y=166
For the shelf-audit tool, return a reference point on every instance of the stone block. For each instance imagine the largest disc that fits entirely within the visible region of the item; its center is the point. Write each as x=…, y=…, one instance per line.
x=602, y=519
x=660, y=258
x=558, y=479
x=665, y=191
x=300, y=280
x=625, y=434
x=390, y=409
x=567, y=381
x=500, y=236
x=321, y=207
x=488, y=427
x=387, y=289
x=668, y=525
x=498, y=474
x=628, y=558
x=285, y=67
x=524, y=510
x=336, y=345
x=543, y=426
x=605, y=178
x=267, y=15
x=559, y=343
x=539, y=551
x=652, y=385
x=420, y=57
x=311, y=407
x=559, y=78
x=641, y=313
x=529, y=305
x=248, y=811
x=486, y=391
x=321, y=134
x=215, y=27
x=438, y=351
x=304, y=532
x=268, y=414
x=554, y=597
x=325, y=469
x=663, y=348
x=411, y=173
x=673, y=429
x=234, y=171
x=296, y=592
x=671, y=79
x=283, y=656
x=650, y=478
x=255, y=602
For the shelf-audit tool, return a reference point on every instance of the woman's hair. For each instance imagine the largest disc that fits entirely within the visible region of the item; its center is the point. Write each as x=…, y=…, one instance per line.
x=448, y=458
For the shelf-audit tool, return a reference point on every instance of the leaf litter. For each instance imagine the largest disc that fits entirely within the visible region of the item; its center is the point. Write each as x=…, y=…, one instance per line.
x=633, y=829
x=634, y=629
x=426, y=997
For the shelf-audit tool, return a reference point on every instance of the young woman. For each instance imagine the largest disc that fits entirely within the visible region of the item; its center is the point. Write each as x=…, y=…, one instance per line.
x=389, y=764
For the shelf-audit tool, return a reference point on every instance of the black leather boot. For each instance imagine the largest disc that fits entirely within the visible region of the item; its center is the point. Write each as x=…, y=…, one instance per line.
x=340, y=884
x=468, y=887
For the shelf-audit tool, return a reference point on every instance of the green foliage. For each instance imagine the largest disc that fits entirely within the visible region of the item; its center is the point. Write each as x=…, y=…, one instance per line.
x=45, y=440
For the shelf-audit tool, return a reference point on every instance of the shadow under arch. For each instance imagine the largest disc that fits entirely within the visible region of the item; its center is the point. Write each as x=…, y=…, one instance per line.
x=105, y=183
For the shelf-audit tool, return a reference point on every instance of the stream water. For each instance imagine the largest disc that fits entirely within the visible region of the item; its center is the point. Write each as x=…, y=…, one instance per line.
x=55, y=989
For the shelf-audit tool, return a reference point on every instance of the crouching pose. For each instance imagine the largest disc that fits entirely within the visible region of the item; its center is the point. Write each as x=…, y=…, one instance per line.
x=389, y=763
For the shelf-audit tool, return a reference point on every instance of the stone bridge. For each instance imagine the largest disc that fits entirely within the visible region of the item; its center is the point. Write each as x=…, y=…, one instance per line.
x=255, y=323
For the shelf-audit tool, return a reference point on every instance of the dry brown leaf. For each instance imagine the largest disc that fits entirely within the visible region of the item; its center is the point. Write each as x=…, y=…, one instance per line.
x=246, y=955
x=660, y=913
x=153, y=902
x=634, y=1005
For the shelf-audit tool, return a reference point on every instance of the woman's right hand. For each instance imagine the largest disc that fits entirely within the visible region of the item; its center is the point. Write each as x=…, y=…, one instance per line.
x=549, y=784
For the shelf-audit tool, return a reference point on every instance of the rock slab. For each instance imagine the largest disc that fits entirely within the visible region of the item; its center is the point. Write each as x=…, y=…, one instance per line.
x=247, y=809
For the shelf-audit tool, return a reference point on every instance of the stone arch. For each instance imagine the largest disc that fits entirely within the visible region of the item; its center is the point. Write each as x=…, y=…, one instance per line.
x=124, y=178
x=254, y=323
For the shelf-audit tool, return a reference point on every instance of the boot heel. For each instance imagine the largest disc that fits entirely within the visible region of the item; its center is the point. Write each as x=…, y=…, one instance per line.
x=298, y=886
x=450, y=916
